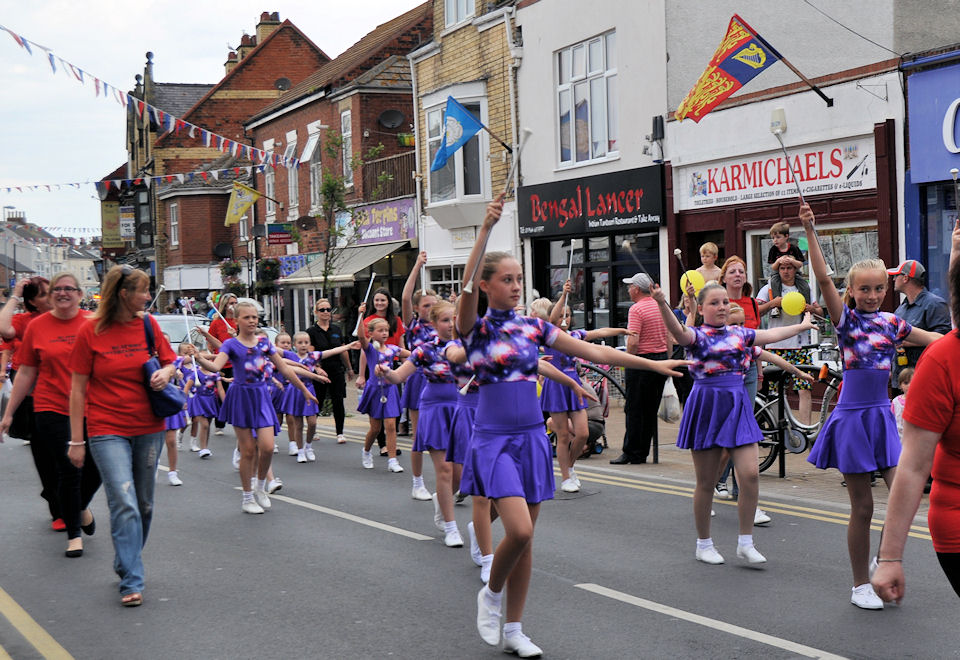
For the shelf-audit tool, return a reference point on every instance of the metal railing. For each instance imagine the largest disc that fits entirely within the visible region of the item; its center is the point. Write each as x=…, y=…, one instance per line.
x=398, y=180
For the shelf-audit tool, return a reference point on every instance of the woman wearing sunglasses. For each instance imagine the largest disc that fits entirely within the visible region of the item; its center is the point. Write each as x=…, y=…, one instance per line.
x=324, y=336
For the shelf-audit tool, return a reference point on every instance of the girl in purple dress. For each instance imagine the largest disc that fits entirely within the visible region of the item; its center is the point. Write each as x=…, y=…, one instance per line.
x=860, y=436
x=379, y=399
x=569, y=415
x=204, y=404
x=718, y=414
x=415, y=305
x=247, y=405
x=509, y=459
x=277, y=384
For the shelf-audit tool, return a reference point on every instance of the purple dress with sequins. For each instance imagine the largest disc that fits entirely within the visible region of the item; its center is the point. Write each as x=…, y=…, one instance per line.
x=438, y=400
x=178, y=421
x=718, y=412
x=377, y=388
x=419, y=333
x=509, y=455
x=861, y=433
x=555, y=397
x=465, y=413
x=247, y=404
x=276, y=393
x=204, y=402
x=292, y=401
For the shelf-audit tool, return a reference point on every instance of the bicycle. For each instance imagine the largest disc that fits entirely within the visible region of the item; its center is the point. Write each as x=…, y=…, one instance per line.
x=782, y=431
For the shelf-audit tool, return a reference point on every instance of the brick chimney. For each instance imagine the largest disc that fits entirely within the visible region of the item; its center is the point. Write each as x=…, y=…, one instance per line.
x=247, y=43
x=231, y=62
x=268, y=23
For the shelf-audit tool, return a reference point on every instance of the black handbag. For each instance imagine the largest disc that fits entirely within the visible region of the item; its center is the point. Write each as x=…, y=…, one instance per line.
x=171, y=399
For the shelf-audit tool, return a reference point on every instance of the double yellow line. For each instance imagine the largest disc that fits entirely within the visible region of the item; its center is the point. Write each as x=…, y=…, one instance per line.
x=32, y=631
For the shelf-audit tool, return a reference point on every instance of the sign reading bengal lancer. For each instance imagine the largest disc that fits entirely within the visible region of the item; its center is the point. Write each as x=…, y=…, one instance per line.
x=626, y=201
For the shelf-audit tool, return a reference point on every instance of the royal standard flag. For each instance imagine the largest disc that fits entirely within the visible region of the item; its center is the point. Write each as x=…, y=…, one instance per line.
x=459, y=126
x=241, y=199
x=741, y=56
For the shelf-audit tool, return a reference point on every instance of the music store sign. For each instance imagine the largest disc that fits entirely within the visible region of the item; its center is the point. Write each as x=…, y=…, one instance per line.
x=620, y=201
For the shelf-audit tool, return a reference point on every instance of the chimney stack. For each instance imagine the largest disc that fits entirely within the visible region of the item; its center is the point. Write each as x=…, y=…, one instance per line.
x=269, y=21
x=247, y=43
x=231, y=62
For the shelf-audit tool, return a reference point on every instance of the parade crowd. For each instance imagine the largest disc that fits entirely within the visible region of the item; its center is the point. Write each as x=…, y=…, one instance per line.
x=481, y=380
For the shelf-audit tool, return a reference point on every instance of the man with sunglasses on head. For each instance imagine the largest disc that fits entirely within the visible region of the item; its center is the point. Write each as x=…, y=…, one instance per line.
x=325, y=335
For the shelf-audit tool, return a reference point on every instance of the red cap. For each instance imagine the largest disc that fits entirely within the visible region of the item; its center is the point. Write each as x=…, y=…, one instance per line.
x=911, y=268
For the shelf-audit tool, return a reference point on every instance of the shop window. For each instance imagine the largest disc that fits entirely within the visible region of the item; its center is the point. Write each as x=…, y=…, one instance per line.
x=445, y=280
x=938, y=213
x=464, y=174
x=587, y=101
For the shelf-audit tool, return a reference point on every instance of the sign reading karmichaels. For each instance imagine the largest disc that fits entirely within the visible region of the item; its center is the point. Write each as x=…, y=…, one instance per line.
x=617, y=201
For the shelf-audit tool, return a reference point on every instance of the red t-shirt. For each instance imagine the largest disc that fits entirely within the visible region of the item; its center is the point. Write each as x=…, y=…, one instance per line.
x=749, y=312
x=20, y=323
x=47, y=345
x=117, y=402
x=219, y=330
x=395, y=337
x=933, y=404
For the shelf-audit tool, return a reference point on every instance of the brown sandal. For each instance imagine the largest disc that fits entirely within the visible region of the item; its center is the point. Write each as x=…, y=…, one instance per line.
x=132, y=600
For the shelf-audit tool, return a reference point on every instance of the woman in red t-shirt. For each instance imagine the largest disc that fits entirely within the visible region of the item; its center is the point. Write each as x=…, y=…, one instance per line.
x=125, y=436
x=44, y=370
x=222, y=331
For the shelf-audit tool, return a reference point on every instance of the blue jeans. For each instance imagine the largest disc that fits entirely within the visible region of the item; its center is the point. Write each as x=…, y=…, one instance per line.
x=128, y=467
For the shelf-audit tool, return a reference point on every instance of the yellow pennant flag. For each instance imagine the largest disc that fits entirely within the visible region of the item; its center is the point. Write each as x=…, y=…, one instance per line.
x=241, y=199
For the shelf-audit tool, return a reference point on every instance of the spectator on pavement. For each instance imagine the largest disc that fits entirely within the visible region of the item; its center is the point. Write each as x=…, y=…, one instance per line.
x=920, y=308
x=325, y=335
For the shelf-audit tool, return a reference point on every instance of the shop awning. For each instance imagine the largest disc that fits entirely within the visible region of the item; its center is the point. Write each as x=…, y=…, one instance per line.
x=350, y=260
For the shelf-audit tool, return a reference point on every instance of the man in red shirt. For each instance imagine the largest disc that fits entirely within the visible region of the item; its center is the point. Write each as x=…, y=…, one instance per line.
x=644, y=388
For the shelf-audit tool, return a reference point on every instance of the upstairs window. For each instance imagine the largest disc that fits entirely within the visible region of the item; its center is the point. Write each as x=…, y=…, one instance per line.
x=174, y=225
x=587, y=100
x=456, y=11
x=346, y=134
x=463, y=174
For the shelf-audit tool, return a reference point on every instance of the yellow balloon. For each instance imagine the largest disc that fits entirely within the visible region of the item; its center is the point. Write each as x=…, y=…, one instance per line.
x=793, y=303
x=695, y=278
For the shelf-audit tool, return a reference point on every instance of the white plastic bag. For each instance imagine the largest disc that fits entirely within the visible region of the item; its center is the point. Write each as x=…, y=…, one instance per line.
x=669, y=403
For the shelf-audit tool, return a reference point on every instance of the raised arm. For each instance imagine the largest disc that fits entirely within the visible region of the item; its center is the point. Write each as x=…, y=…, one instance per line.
x=214, y=365
x=291, y=375
x=352, y=346
x=467, y=303
x=406, y=298
x=603, y=333
x=609, y=355
x=398, y=375
x=819, y=266
x=9, y=310
x=683, y=335
x=364, y=341
x=556, y=314
x=773, y=335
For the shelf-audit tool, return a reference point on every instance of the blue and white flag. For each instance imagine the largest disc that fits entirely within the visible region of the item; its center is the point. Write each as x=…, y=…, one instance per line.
x=458, y=127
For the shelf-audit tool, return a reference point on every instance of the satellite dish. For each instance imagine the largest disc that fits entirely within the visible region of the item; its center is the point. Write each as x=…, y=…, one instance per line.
x=222, y=250
x=306, y=223
x=391, y=118
x=283, y=84
x=145, y=229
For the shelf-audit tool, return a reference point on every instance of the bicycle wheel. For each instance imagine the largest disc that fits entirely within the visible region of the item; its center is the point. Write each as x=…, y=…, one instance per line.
x=603, y=373
x=829, y=403
x=769, y=447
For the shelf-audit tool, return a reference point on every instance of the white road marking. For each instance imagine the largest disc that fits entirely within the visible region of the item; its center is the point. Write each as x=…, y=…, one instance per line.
x=722, y=626
x=352, y=518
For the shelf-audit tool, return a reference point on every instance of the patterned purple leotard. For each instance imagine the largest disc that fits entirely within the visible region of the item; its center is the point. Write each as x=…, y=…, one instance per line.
x=466, y=411
x=419, y=333
x=178, y=421
x=438, y=401
x=555, y=397
x=247, y=404
x=204, y=402
x=376, y=387
x=292, y=401
x=718, y=412
x=861, y=433
x=509, y=455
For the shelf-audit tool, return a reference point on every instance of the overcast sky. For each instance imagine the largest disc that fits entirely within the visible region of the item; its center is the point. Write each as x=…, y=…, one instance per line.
x=55, y=130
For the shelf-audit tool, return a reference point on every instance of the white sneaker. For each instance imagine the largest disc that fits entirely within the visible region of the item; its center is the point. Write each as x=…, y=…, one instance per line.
x=292, y=448
x=218, y=432
x=488, y=620
x=340, y=439
x=485, y=570
x=573, y=475
x=394, y=465
x=276, y=448
x=453, y=539
x=865, y=598
x=367, y=460
x=194, y=445
x=421, y=493
x=751, y=554
x=204, y=453
x=570, y=486
x=250, y=506
x=720, y=491
x=521, y=646
x=262, y=499
x=310, y=455
x=713, y=513
x=301, y=456
x=761, y=517
x=475, y=553
x=274, y=485
x=174, y=478
x=437, y=513
x=709, y=555
x=236, y=459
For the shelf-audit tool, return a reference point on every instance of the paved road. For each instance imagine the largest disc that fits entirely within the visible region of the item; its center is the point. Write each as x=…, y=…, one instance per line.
x=347, y=565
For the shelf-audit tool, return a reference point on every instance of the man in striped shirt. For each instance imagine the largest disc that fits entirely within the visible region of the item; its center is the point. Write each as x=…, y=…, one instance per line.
x=644, y=388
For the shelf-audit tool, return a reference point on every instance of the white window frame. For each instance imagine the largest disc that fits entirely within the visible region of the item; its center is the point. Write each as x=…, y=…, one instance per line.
x=461, y=11
x=242, y=230
x=437, y=103
x=346, y=135
x=174, y=216
x=604, y=74
x=269, y=182
x=293, y=176
x=313, y=152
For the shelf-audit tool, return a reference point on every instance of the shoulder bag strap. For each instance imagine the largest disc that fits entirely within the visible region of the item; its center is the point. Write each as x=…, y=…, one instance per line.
x=148, y=331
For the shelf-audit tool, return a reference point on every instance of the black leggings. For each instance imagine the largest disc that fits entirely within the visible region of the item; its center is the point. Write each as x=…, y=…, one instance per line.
x=950, y=563
x=226, y=372
x=76, y=486
x=334, y=392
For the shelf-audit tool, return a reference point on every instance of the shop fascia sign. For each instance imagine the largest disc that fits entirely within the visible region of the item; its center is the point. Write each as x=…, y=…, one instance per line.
x=823, y=168
x=378, y=223
x=618, y=201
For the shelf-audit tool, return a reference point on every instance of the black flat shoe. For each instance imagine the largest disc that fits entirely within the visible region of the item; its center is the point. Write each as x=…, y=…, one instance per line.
x=623, y=459
x=74, y=553
x=91, y=528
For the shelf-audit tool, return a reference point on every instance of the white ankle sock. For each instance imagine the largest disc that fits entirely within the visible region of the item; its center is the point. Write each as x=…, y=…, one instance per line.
x=703, y=544
x=745, y=540
x=450, y=526
x=487, y=560
x=261, y=484
x=308, y=445
x=248, y=496
x=494, y=600
x=418, y=482
x=171, y=473
x=512, y=628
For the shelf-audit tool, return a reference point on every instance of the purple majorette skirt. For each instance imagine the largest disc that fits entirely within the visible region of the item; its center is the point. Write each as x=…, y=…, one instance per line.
x=176, y=422
x=861, y=433
x=203, y=405
x=509, y=455
x=555, y=397
x=276, y=396
x=248, y=406
x=370, y=403
x=438, y=402
x=412, y=391
x=292, y=402
x=718, y=413
x=463, y=418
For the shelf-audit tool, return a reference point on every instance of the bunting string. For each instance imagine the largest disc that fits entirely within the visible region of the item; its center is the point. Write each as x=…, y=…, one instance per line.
x=105, y=185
